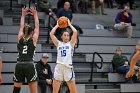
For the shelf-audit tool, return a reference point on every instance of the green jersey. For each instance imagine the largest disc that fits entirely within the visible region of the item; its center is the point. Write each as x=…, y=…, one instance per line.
x=26, y=50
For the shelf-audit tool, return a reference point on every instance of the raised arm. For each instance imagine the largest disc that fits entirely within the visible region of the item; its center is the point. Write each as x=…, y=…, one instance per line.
x=22, y=22
x=53, y=37
x=133, y=62
x=74, y=36
x=0, y=70
x=36, y=30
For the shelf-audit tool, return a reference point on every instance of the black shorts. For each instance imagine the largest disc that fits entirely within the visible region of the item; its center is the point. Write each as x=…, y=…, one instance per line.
x=25, y=70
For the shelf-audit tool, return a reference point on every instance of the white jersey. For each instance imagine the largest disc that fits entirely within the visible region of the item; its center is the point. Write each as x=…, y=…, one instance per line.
x=65, y=53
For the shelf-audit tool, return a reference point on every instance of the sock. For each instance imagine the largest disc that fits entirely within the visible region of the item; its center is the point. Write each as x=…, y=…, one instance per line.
x=16, y=89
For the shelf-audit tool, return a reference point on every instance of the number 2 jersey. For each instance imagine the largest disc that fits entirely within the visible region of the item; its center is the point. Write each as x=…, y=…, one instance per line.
x=26, y=50
x=65, y=53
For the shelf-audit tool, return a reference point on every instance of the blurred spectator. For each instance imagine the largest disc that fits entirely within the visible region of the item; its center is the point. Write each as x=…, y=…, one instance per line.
x=0, y=70
x=122, y=2
x=96, y=4
x=120, y=62
x=83, y=6
x=110, y=3
x=66, y=11
x=60, y=4
x=131, y=2
x=45, y=74
x=44, y=6
x=124, y=21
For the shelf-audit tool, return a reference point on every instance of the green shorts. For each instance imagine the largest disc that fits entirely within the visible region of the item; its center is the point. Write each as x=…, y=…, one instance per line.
x=25, y=70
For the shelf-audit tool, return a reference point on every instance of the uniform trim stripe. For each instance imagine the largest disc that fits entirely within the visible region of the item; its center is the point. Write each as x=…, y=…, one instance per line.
x=35, y=76
x=15, y=78
x=72, y=75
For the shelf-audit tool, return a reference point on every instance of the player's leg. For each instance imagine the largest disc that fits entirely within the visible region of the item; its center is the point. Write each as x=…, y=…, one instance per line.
x=56, y=86
x=31, y=76
x=72, y=86
x=33, y=87
x=17, y=87
x=58, y=77
x=69, y=77
x=18, y=78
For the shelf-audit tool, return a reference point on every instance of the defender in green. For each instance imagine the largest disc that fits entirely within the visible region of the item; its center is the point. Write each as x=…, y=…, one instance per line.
x=27, y=41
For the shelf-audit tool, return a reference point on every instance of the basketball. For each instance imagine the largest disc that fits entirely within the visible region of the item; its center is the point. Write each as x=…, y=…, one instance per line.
x=63, y=22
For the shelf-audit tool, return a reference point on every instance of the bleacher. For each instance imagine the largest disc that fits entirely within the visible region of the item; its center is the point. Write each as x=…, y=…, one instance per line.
x=92, y=40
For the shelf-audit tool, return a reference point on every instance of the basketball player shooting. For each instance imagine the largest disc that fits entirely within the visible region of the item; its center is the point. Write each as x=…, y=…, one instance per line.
x=27, y=41
x=64, y=68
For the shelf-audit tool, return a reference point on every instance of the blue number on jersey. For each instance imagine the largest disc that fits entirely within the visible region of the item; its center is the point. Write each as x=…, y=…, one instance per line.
x=63, y=53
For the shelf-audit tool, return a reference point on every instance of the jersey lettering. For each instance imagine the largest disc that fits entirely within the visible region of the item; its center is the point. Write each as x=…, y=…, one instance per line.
x=25, y=48
x=63, y=53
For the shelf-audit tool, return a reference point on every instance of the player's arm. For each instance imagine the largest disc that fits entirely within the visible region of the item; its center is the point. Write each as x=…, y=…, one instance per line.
x=0, y=70
x=133, y=62
x=74, y=36
x=53, y=37
x=22, y=21
x=36, y=30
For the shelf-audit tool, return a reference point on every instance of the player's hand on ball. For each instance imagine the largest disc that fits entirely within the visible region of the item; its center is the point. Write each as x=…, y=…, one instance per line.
x=129, y=74
x=57, y=24
x=63, y=22
x=69, y=23
x=24, y=11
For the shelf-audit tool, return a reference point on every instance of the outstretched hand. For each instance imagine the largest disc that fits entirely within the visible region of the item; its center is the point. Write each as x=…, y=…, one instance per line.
x=33, y=11
x=57, y=24
x=24, y=11
x=69, y=23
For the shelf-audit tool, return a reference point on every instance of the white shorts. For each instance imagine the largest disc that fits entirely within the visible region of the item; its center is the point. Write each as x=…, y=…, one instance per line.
x=63, y=73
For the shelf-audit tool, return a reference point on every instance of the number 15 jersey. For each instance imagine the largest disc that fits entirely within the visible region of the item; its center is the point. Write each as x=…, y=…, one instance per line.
x=65, y=53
